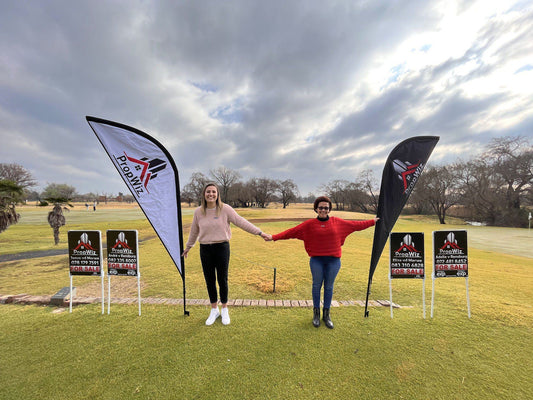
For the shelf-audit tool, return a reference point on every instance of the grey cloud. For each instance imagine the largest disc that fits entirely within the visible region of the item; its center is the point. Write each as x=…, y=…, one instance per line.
x=172, y=68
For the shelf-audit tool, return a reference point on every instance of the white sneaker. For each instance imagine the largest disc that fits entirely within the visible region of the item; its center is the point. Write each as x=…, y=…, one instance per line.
x=212, y=316
x=225, y=316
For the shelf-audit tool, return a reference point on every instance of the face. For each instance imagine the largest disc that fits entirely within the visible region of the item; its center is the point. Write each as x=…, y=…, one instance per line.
x=323, y=209
x=211, y=194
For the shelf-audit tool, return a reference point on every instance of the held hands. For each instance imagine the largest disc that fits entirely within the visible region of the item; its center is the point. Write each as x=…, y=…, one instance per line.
x=266, y=236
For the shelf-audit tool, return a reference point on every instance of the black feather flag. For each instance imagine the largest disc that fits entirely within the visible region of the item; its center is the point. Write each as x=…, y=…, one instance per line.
x=400, y=174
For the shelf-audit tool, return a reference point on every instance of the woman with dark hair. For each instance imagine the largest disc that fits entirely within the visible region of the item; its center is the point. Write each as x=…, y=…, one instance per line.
x=323, y=237
x=211, y=227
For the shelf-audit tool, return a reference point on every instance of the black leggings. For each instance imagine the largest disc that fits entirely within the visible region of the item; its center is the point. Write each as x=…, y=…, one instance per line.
x=215, y=262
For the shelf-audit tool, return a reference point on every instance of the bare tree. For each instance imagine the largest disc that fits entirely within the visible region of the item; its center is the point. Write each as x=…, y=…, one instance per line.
x=337, y=192
x=196, y=185
x=288, y=191
x=225, y=177
x=437, y=186
x=240, y=195
x=512, y=159
x=263, y=190
x=368, y=184
x=18, y=174
x=356, y=197
x=187, y=195
x=481, y=190
x=495, y=185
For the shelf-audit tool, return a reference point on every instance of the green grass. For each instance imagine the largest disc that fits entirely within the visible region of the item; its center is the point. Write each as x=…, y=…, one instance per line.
x=265, y=353
x=270, y=353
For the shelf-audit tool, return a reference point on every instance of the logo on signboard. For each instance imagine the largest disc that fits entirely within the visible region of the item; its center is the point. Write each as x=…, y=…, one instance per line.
x=139, y=172
x=84, y=245
x=408, y=173
x=121, y=242
x=407, y=245
x=450, y=244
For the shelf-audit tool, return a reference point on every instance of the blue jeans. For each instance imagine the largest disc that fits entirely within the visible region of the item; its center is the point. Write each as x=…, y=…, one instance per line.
x=324, y=270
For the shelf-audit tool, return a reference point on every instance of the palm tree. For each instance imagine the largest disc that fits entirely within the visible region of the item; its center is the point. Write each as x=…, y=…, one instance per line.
x=10, y=194
x=56, y=219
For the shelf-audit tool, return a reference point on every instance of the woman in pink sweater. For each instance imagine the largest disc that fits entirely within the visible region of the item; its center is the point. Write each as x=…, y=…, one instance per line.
x=323, y=237
x=211, y=227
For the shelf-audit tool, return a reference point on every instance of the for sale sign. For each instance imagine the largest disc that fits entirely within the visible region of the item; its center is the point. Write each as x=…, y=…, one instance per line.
x=122, y=252
x=450, y=253
x=85, y=252
x=406, y=255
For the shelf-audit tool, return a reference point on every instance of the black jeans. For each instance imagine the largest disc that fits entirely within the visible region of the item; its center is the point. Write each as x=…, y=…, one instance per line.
x=215, y=263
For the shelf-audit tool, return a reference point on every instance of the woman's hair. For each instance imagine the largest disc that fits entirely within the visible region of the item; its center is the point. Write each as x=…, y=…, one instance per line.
x=320, y=200
x=219, y=202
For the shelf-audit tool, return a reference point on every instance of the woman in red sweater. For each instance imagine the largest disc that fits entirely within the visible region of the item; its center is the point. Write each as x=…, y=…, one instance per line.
x=323, y=237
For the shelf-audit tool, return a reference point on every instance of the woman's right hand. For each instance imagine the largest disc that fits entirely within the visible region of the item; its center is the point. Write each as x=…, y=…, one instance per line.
x=266, y=236
x=185, y=252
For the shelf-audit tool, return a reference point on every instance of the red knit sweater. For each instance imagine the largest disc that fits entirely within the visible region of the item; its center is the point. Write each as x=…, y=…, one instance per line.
x=323, y=238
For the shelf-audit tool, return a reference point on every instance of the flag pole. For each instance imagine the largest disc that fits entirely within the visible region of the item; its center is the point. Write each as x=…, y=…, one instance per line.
x=367, y=294
x=185, y=312
x=182, y=259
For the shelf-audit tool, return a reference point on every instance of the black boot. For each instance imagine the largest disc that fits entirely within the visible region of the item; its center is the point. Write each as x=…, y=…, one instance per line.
x=327, y=319
x=316, y=317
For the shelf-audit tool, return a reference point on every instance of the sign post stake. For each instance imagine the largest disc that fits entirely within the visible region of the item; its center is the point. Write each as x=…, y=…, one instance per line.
x=432, y=292
x=108, y=293
x=139, y=291
x=102, y=276
x=390, y=294
x=424, y=295
x=70, y=307
x=467, y=297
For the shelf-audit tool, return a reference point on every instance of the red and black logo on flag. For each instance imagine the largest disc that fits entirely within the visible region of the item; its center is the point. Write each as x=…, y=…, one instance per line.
x=140, y=171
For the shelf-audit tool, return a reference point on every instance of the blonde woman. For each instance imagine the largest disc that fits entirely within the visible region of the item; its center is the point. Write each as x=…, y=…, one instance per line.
x=211, y=227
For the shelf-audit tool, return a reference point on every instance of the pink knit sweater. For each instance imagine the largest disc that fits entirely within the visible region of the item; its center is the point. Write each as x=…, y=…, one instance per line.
x=210, y=229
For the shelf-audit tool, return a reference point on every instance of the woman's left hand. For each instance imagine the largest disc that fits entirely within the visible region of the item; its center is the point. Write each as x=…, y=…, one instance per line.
x=266, y=236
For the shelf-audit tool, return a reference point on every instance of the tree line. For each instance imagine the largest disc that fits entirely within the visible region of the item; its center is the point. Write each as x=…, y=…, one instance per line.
x=495, y=188
x=256, y=192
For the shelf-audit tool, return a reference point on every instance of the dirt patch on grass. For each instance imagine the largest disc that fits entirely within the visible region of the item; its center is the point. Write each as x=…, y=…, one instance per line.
x=121, y=287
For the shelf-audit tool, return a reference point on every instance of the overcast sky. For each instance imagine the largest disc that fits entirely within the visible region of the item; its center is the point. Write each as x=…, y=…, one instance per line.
x=307, y=90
